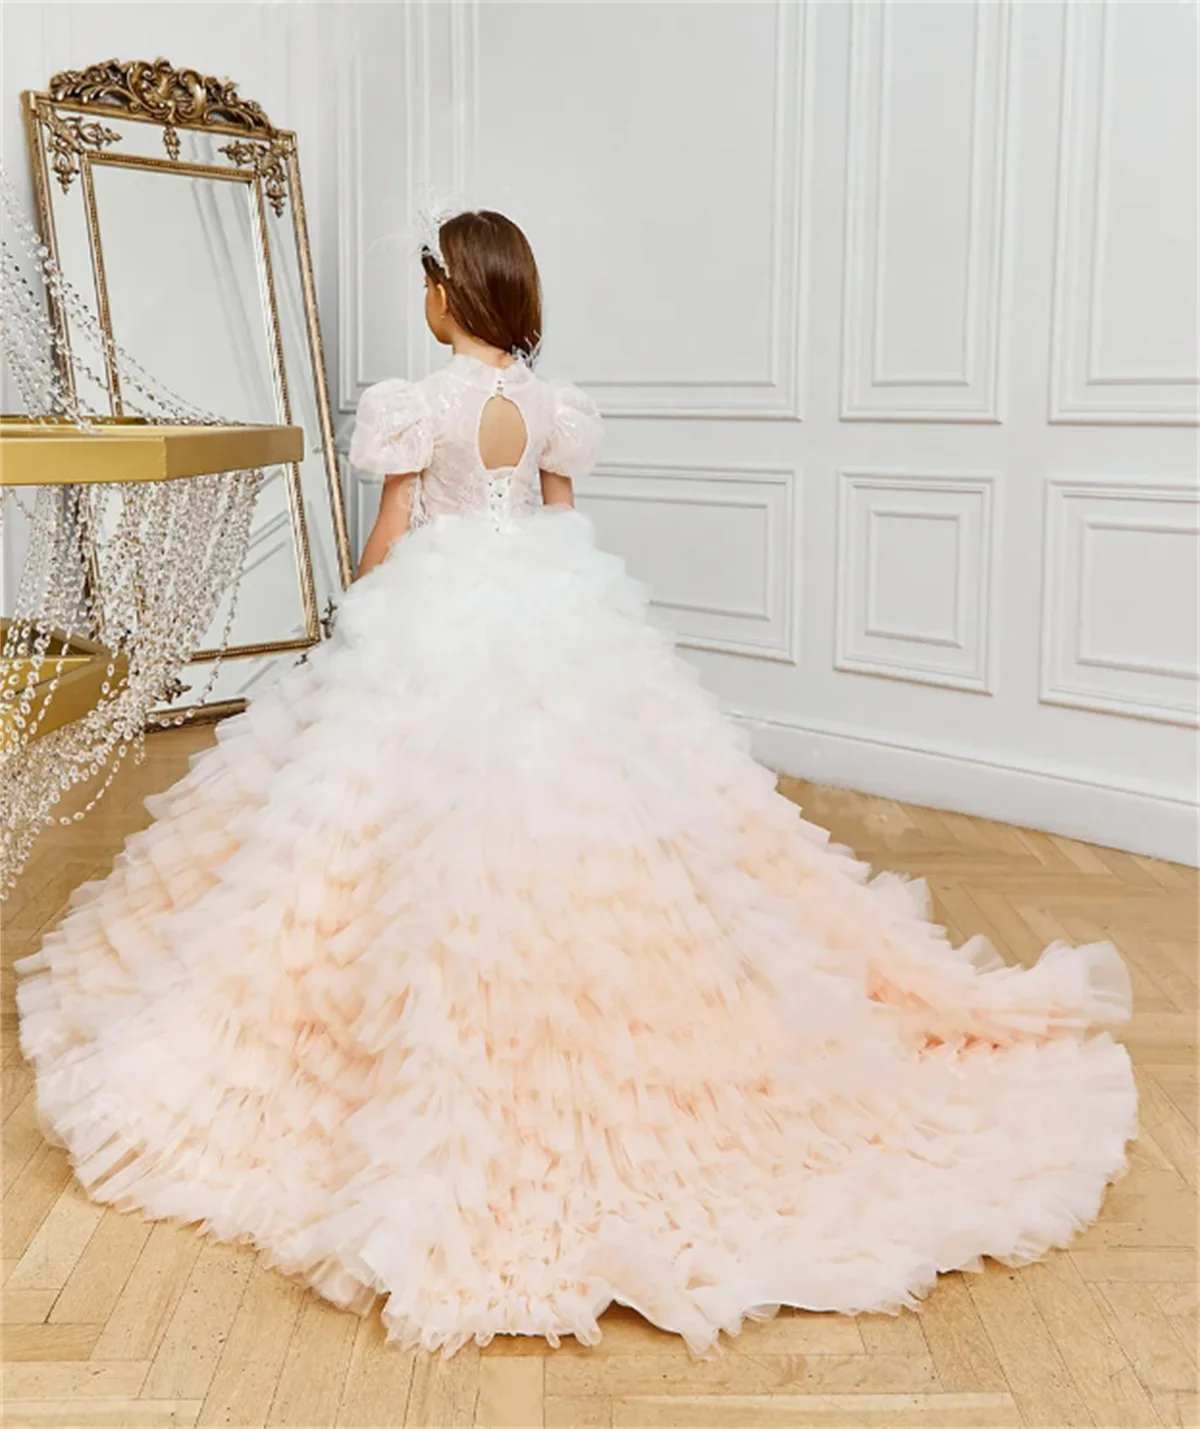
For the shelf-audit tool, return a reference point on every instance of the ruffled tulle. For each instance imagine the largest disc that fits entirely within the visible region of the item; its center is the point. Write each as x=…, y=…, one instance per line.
x=478, y=965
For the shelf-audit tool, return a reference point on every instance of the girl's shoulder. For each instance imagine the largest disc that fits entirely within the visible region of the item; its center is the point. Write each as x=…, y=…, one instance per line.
x=576, y=429
x=395, y=399
x=568, y=399
x=394, y=427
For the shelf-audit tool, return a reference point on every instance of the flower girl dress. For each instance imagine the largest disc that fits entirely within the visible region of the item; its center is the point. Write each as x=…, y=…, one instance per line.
x=479, y=966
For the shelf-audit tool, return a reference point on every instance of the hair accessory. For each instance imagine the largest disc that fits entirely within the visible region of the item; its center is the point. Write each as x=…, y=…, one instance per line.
x=528, y=355
x=430, y=215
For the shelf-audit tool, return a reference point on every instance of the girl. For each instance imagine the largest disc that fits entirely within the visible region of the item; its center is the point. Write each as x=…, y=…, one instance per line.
x=479, y=966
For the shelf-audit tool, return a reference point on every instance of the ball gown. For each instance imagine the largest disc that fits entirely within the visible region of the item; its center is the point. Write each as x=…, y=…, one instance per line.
x=479, y=966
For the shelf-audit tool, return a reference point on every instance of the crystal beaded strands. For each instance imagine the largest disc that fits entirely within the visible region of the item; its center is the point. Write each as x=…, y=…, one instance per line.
x=133, y=570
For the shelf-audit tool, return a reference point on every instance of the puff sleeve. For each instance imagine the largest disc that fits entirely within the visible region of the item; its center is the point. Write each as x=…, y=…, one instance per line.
x=393, y=429
x=576, y=433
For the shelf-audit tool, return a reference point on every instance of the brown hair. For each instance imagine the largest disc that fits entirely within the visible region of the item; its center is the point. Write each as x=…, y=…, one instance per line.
x=493, y=287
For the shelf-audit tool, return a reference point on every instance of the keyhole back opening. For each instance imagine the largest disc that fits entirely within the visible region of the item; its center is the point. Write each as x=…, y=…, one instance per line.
x=503, y=436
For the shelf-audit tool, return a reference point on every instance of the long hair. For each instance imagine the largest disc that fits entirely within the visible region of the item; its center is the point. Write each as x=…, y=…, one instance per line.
x=492, y=287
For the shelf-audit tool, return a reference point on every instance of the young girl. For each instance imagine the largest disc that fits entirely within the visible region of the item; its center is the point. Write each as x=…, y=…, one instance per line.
x=479, y=966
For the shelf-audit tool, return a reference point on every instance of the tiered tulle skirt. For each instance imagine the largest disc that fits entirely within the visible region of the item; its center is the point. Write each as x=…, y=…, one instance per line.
x=478, y=966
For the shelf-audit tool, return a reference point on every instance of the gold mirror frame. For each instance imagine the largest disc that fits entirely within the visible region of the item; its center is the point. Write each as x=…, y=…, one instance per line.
x=68, y=139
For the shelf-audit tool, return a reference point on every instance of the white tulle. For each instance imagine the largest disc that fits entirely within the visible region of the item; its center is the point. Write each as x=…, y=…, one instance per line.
x=478, y=966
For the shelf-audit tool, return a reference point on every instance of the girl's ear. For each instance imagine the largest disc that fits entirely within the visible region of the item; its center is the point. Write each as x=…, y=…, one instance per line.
x=443, y=300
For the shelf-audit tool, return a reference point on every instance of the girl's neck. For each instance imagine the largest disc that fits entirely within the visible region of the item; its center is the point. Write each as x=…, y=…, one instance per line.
x=465, y=345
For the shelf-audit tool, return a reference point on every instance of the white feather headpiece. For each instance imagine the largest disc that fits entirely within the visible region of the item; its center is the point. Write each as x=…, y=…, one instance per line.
x=429, y=219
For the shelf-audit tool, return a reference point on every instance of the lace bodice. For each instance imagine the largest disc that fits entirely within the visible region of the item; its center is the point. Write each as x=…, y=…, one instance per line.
x=432, y=427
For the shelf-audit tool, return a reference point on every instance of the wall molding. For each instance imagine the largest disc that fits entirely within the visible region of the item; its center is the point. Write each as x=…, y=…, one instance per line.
x=778, y=395
x=1068, y=656
x=965, y=659
x=353, y=375
x=772, y=630
x=348, y=187
x=975, y=392
x=781, y=393
x=1079, y=390
x=873, y=621
x=1056, y=798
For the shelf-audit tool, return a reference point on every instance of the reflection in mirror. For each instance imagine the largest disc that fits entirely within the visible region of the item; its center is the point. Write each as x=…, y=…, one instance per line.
x=178, y=205
x=183, y=280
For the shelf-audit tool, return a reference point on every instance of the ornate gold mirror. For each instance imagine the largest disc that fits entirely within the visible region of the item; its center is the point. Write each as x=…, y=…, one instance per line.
x=178, y=205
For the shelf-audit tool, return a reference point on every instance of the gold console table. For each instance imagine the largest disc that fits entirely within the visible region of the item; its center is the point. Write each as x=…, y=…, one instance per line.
x=55, y=452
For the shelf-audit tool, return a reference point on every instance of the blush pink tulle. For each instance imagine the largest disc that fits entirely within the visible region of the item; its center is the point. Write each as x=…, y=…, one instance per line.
x=478, y=965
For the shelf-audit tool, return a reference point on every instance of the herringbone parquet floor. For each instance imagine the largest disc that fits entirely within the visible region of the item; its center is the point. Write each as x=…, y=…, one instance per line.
x=109, y=1321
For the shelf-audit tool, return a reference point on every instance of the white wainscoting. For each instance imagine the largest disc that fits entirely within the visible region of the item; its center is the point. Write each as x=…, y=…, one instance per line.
x=1123, y=813
x=1125, y=335
x=380, y=287
x=1121, y=602
x=927, y=211
x=719, y=548
x=916, y=589
x=662, y=195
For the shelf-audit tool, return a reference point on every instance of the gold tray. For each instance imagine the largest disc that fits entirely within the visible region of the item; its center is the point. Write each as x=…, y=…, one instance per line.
x=84, y=669
x=58, y=453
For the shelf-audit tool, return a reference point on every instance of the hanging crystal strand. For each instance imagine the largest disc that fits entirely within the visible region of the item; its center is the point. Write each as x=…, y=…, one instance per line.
x=142, y=567
x=84, y=323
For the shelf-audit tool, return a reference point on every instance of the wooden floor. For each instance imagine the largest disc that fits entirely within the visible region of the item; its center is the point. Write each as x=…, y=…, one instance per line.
x=109, y=1321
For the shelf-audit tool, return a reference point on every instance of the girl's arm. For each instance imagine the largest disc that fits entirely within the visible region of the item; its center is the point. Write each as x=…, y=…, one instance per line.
x=557, y=490
x=395, y=516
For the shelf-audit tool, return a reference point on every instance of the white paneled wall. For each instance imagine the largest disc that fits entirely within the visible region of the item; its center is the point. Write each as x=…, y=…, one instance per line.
x=892, y=312
x=1125, y=338
x=938, y=630
x=1118, y=553
x=745, y=606
x=926, y=206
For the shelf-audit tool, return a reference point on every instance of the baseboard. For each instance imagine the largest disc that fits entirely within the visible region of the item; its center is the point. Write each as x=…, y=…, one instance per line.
x=1058, y=801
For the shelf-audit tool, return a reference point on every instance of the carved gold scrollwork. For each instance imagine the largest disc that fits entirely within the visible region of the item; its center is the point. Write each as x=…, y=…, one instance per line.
x=268, y=160
x=68, y=136
x=161, y=92
x=328, y=621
